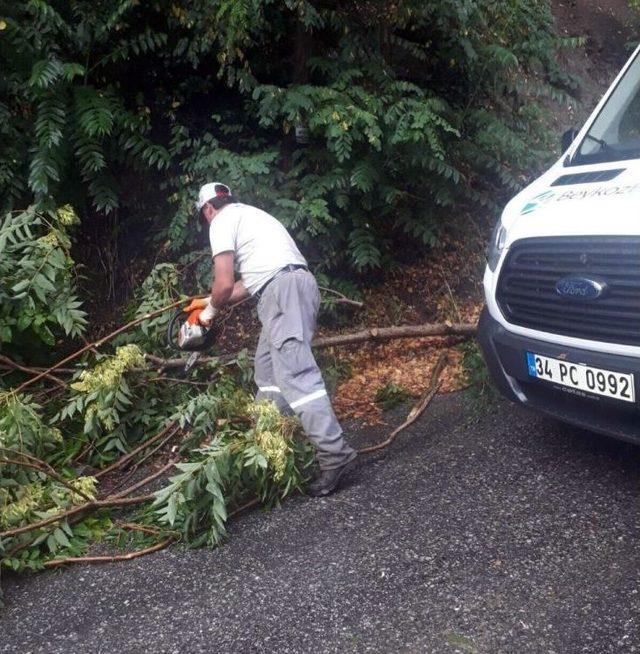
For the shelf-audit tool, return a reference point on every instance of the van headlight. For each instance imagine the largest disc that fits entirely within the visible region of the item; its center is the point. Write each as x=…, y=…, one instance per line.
x=496, y=245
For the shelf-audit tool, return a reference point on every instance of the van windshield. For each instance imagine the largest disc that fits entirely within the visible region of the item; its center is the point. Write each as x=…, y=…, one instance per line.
x=615, y=133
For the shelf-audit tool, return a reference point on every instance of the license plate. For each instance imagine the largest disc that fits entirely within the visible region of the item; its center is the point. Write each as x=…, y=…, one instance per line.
x=585, y=378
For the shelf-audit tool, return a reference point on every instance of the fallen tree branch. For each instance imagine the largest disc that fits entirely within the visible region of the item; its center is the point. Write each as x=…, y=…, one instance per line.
x=110, y=559
x=120, y=499
x=32, y=371
x=127, y=457
x=35, y=369
x=132, y=472
x=175, y=380
x=28, y=457
x=117, y=500
x=145, y=529
x=161, y=364
x=373, y=334
x=76, y=510
x=404, y=331
x=243, y=507
x=417, y=410
x=149, y=454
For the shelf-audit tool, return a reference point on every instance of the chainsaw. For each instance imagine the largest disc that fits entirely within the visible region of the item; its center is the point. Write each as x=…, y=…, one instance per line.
x=190, y=335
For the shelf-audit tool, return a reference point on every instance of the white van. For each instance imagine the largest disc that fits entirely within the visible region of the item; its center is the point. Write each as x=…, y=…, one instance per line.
x=561, y=328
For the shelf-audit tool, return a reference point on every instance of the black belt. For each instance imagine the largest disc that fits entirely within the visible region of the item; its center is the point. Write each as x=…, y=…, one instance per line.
x=290, y=268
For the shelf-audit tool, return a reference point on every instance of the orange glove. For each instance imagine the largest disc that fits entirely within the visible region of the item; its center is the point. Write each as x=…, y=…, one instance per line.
x=200, y=303
x=194, y=317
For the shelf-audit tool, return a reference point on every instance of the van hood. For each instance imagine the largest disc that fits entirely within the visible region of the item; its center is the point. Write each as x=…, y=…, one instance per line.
x=547, y=208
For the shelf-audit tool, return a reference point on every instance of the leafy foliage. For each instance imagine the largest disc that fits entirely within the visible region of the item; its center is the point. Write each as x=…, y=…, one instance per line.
x=66, y=540
x=37, y=277
x=160, y=288
x=264, y=460
x=22, y=427
x=103, y=396
x=358, y=125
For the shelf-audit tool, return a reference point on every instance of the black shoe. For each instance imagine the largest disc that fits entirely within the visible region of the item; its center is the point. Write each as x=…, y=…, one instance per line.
x=328, y=480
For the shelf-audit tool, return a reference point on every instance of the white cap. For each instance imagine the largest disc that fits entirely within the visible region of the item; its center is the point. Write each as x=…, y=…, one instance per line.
x=210, y=191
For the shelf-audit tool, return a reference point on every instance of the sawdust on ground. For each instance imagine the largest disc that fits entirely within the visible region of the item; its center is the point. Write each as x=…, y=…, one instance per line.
x=407, y=363
x=445, y=288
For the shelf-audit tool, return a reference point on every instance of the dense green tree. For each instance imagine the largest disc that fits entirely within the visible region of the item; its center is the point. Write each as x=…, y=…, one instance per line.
x=360, y=124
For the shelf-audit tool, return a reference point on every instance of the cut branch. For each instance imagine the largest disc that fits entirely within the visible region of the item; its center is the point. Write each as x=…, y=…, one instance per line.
x=145, y=481
x=28, y=457
x=174, y=380
x=243, y=507
x=417, y=410
x=34, y=369
x=46, y=471
x=110, y=559
x=405, y=331
x=145, y=529
x=162, y=364
x=41, y=373
x=101, y=341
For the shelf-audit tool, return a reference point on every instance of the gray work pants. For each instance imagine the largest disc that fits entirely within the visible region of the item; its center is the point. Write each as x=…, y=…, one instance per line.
x=285, y=368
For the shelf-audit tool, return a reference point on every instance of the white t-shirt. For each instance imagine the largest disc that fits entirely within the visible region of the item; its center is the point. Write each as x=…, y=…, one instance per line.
x=261, y=244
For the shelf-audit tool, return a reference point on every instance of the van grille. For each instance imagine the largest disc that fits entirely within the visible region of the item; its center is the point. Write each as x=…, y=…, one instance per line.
x=527, y=293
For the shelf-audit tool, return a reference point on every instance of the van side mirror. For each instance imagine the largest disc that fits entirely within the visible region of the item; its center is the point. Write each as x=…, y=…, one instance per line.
x=568, y=138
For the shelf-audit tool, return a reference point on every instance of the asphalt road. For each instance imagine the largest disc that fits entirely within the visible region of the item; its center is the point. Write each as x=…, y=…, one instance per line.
x=508, y=533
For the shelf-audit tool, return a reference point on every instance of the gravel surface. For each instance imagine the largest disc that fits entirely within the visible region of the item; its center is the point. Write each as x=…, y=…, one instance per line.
x=501, y=533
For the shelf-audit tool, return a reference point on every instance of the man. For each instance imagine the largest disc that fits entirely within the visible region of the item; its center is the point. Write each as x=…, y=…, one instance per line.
x=272, y=269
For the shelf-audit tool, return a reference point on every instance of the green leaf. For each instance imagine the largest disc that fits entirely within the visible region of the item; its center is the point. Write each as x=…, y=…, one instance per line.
x=71, y=70
x=61, y=537
x=45, y=72
x=21, y=285
x=52, y=544
x=219, y=509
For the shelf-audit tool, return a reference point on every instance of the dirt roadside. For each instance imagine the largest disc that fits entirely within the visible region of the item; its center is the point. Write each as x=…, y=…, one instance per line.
x=609, y=30
x=604, y=23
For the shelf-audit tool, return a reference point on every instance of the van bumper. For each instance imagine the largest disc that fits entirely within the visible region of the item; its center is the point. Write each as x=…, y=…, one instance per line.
x=506, y=359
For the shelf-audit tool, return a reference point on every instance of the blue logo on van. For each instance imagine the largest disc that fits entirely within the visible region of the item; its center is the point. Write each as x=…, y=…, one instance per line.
x=536, y=201
x=580, y=288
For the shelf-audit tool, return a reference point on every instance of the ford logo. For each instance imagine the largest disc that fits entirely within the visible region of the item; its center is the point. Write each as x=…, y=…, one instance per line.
x=580, y=288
